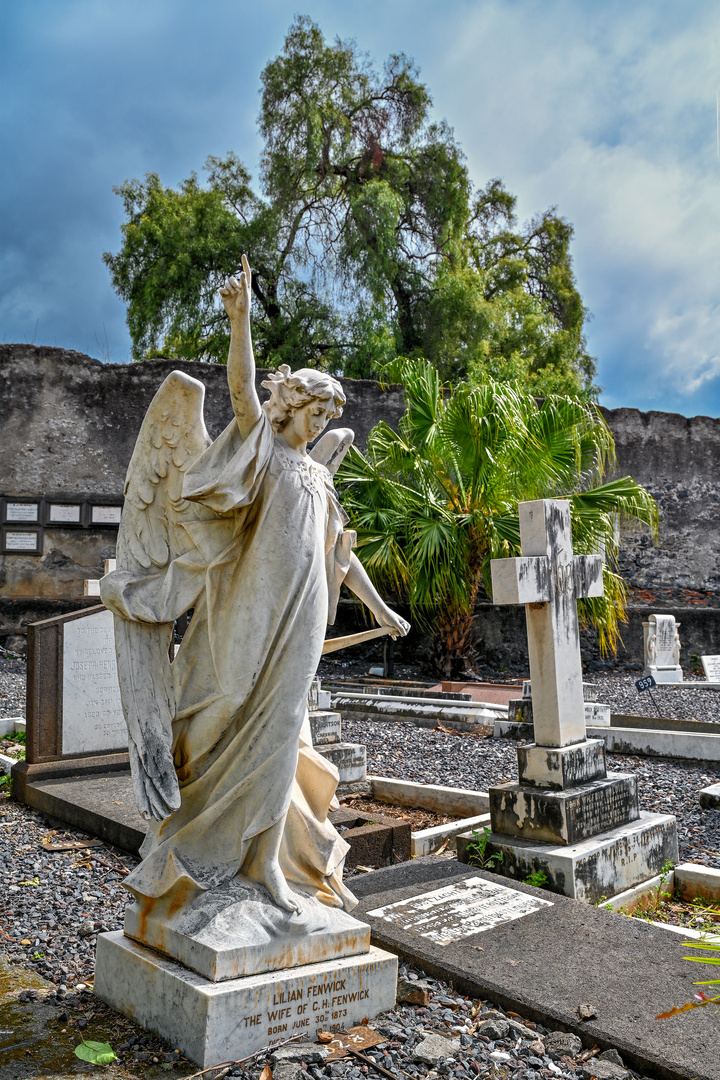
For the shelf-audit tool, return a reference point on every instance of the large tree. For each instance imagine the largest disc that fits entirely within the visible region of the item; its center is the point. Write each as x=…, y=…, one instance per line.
x=367, y=239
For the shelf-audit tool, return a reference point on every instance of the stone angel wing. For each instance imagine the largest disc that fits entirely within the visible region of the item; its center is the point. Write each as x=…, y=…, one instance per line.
x=331, y=448
x=140, y=591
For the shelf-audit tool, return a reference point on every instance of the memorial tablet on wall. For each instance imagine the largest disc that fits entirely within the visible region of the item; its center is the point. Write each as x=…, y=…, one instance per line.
x=105, y=515
x=25, y=512
x=19, y=541
x=64, y=513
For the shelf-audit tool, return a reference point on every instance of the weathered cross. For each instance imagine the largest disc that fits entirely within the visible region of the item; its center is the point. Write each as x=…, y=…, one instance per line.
x=549, y=580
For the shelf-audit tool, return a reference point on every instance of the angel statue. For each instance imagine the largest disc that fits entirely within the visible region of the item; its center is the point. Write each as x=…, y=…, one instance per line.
x=248, y=532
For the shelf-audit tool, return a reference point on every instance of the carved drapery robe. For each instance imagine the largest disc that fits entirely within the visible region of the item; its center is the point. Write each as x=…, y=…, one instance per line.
x=263, y=573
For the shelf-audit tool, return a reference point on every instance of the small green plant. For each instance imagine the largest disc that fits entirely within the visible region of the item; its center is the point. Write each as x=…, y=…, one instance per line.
x=709, y=943
x=38, y=956
x=6, y=785
x=96, y=1053
x=477, y=851
x=32, y=881
x=696, y=661
x=19, y=737
x=538, y=879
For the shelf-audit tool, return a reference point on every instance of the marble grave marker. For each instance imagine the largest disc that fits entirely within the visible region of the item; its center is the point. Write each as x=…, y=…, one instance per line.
x=565, y=797
x=661, y=635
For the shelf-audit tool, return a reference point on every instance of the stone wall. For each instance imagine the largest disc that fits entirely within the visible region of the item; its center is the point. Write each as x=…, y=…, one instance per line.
x=69, y=425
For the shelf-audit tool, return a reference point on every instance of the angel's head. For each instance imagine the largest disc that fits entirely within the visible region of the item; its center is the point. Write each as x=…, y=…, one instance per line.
x=314, y=394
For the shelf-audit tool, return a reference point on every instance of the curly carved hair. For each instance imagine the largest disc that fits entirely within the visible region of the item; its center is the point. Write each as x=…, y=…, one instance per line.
x=290, y=390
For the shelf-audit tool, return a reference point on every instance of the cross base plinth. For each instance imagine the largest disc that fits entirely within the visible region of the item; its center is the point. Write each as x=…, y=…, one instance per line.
x=598, y=868
x=564, y=817
x=561, y=767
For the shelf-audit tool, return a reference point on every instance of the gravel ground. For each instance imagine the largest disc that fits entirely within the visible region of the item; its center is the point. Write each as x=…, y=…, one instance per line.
x=682, y=703
x=448, y=1035
x=56, y=902
x=12, y=685
x=458, y=760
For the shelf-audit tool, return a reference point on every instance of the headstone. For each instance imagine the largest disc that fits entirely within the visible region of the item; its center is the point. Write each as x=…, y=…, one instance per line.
x=711, y=667
x=74, y=715
x=661, y=635
x=92, y=716
x=564, y=796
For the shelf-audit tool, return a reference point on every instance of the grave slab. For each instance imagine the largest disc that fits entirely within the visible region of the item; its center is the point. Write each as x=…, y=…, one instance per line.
x=101, y=805
x=227, y=1021
x=325, y=726
x=545, y=767
x=545, y=963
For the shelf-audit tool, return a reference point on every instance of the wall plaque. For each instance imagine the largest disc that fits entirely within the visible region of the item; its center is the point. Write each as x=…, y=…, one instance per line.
x=21, y=511
x=459, y=910
x=105, y=515
x=64, y=513
x=21, y=541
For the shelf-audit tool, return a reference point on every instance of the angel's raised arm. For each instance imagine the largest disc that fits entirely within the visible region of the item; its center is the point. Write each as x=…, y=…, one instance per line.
x=241, y=362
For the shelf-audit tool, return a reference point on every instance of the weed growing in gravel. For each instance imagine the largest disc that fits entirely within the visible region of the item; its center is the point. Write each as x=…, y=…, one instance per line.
x=477, y=851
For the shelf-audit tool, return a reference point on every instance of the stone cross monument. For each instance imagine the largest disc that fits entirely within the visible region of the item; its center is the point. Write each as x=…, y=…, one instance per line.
x=566, y=818
x=549, y=580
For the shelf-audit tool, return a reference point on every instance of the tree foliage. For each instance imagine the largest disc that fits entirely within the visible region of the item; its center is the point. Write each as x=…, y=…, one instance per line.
x=368, y=240
x=435, y=501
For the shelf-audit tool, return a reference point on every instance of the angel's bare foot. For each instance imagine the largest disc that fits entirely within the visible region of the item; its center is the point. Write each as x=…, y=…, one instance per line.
x=262, y=865
x=274, y=881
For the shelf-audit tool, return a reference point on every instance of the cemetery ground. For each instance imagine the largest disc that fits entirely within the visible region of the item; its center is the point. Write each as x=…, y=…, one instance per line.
x=61, y=890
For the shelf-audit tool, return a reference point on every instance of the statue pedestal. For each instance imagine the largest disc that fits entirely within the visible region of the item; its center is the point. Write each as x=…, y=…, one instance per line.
x=212, y=1022
x=235, y=930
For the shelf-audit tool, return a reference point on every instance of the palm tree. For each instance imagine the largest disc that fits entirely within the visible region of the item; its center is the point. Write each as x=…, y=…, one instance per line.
x=435, y=501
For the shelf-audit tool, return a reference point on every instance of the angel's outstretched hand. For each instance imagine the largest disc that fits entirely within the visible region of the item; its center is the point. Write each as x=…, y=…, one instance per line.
x=397, y=626
x=236, y=293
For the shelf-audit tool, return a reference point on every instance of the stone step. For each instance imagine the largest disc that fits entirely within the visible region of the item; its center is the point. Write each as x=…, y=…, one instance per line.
x=599, y=867
x=326, y=727
x=564, y=817
x=349, y=758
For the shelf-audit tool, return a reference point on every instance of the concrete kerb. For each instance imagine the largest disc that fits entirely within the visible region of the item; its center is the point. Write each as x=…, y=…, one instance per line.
x=460, y=718
x=710, y=797
x=647, y=742
x=473, y=805
x=11, y=725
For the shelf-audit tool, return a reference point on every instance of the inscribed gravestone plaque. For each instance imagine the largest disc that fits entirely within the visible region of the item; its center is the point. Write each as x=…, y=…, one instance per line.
x=711, y=667
x=92, y=712
x=459, y=910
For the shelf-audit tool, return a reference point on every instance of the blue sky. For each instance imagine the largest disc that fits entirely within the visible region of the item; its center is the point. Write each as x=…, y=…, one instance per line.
x=605, y=110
